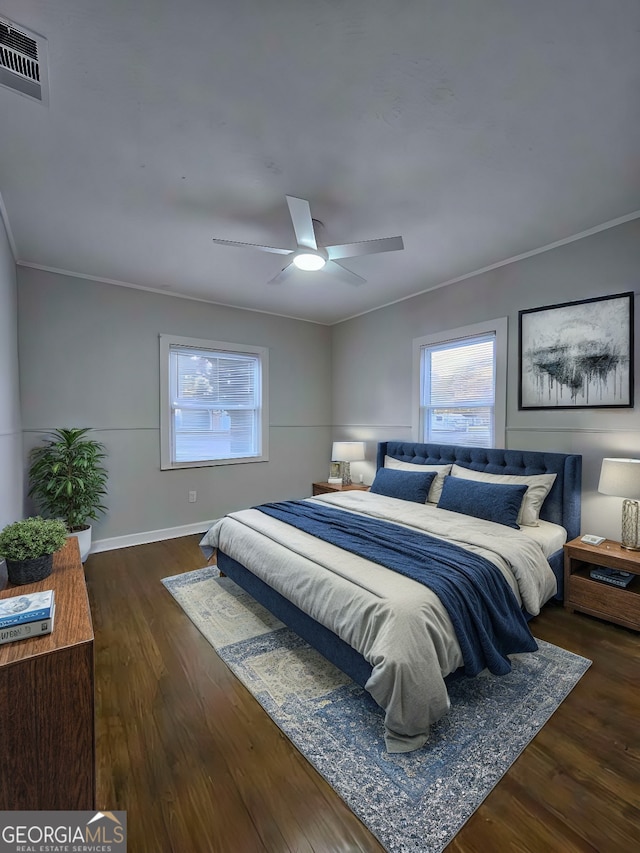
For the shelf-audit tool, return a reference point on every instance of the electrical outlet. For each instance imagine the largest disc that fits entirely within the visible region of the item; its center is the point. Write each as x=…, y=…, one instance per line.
x=193, y=497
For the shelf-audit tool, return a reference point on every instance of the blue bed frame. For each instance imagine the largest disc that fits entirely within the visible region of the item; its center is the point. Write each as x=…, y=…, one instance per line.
x=561, y=506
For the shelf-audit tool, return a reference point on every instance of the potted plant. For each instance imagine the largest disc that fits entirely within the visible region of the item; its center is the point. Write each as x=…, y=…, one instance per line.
x=68, y=481
x=28, y=547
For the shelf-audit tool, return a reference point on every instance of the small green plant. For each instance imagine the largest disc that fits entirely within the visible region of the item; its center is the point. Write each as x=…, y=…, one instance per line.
x=67, y=477
x=31, y=538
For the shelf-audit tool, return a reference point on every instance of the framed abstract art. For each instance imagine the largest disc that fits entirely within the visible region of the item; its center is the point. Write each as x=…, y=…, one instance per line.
x=577, y=355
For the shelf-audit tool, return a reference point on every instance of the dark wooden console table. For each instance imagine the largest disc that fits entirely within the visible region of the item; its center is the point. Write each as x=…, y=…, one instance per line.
x=47, y=740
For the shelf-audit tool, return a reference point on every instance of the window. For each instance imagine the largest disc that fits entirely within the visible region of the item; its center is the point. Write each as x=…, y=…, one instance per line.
x=213, y=403
x=460, y=377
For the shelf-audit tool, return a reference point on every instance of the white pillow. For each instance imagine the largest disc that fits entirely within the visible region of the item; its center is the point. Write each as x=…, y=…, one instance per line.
x=438, y=481
x=538, y=487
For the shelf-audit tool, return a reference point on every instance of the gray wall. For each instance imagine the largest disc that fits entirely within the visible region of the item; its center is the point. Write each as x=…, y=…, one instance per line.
x=372, y=358
x=89, y=356
x=11, y=476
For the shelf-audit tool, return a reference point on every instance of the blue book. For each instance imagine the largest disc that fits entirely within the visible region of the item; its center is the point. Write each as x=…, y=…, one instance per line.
x=26, y=630
x=25, y=607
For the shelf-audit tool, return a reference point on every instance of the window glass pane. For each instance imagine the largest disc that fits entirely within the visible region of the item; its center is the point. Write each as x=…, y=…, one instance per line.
x=461, y=426
x=197, y=439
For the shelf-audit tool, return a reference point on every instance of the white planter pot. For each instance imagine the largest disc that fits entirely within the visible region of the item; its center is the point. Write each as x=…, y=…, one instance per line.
x=84, y=541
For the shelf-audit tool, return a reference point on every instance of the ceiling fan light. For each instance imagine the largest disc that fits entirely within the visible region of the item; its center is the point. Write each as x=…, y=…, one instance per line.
x=309, y=261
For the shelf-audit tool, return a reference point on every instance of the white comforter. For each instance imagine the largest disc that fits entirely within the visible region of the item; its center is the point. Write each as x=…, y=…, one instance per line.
x=398, y=625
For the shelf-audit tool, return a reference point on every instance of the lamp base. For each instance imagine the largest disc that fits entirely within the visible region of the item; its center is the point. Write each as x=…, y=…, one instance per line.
x=346, y=473
x=630, y=514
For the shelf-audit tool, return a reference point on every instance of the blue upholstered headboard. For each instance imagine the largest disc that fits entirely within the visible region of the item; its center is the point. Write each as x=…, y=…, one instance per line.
x=562, y=504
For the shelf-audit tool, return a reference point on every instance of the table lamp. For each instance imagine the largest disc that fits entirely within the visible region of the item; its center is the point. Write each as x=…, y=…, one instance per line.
x=621, y=477
x=346, y=452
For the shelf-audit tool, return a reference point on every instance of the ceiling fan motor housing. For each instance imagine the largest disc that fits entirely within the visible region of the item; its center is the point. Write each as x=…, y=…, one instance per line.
x=310, y=259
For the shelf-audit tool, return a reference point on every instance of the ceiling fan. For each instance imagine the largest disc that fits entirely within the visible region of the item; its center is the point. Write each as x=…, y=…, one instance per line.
x=308, y=255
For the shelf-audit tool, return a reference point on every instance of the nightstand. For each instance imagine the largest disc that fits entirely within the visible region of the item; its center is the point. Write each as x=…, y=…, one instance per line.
x=325, y=488
x=598, y=598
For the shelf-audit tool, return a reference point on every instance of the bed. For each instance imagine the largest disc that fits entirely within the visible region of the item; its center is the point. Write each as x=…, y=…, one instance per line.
x=389, y=633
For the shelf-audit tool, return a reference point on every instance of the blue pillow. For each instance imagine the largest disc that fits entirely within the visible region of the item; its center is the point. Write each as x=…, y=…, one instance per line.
x=406, y=485
x=491, y=501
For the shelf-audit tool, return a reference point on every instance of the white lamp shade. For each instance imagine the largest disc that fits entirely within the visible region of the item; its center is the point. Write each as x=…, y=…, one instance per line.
x=347, y=451
x=620, y=477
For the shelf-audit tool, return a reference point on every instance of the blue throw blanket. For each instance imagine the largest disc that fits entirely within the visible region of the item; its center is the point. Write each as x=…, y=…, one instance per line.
x=488, y=623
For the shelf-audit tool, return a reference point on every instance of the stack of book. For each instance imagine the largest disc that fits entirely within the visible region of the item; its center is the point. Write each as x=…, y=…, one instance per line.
x=26, y=615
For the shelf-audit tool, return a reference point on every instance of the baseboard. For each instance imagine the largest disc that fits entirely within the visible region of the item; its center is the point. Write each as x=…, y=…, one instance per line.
x=149, y=536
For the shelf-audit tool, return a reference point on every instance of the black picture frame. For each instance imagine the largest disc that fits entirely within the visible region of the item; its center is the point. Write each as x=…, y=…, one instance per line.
x=577, y=355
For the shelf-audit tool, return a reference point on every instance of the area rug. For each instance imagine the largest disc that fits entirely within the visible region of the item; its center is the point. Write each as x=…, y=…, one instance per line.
x=414, y=802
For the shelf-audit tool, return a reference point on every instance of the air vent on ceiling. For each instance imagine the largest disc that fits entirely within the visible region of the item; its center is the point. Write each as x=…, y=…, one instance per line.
x=23, y=61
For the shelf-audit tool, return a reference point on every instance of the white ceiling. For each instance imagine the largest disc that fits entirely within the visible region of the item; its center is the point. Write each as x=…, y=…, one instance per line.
x=478, y=131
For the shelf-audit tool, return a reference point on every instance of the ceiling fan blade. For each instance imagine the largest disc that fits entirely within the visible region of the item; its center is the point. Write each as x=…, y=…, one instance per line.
x=253, y=246
x=366, y=247
x=283, y=275
x=302, y=222
x=342, y=273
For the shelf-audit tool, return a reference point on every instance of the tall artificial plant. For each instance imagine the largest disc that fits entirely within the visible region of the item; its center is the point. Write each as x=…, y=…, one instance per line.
x=67, y=477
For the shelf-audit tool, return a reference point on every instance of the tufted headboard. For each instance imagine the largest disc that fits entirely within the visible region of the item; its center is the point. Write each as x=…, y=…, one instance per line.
x=562, y=504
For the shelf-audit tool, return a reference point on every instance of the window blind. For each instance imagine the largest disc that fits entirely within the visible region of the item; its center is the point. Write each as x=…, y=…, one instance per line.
x=215, y=404
x=457, y=391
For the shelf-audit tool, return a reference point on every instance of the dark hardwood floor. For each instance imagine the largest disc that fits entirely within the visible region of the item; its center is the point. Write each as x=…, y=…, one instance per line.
x=199, y=766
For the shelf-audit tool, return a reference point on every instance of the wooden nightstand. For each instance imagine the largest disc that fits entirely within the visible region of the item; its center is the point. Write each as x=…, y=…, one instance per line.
x=597, y=598
x=325, y=488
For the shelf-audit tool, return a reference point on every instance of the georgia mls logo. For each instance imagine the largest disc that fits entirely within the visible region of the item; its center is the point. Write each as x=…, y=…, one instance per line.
x=100, y=837
x=63, y=832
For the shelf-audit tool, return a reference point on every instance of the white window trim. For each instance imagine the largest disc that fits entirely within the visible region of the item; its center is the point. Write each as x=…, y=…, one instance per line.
x=166, y=341
x=499, y=327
